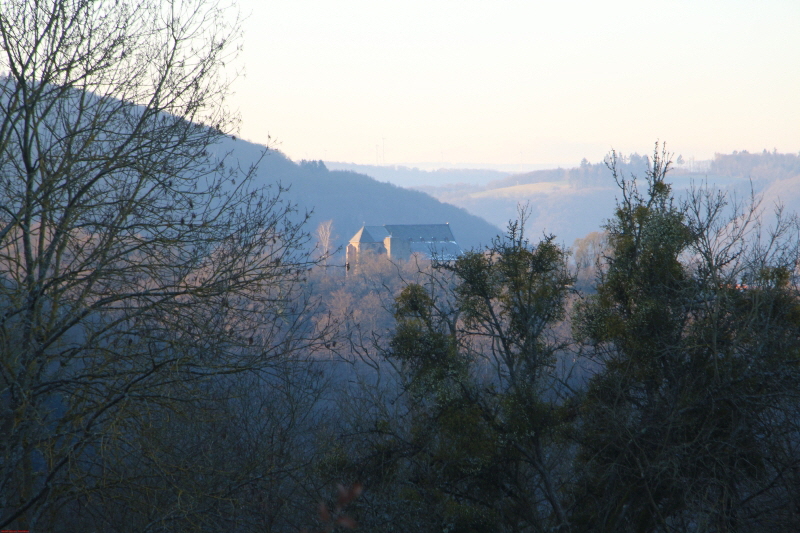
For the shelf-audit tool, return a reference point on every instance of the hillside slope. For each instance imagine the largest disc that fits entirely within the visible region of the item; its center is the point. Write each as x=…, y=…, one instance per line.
x=352, y=200
x=570, y=203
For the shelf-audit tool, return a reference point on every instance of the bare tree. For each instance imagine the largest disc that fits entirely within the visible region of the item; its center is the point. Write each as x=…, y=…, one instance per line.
x=325, y=240
x=136, y=262
x=589, y=255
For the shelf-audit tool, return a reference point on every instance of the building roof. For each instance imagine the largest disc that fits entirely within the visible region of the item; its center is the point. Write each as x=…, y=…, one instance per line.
x=410, y=232
x=428, y=240
x=421, y=232
x=370, y=234
x=443, y=251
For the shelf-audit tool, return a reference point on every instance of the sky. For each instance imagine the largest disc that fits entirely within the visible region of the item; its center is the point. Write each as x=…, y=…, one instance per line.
x=468, y=83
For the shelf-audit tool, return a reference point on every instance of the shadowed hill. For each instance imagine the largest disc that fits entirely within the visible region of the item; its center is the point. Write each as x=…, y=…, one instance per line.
x=352, y=200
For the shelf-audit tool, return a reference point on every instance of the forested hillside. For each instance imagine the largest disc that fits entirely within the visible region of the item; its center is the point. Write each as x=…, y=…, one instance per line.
x=174, y=357
x=352, y=200
x=572, y=202
x=415, y=177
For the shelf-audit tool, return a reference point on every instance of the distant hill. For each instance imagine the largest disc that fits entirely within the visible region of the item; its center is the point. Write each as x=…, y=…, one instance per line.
x=572, y=202
x=568, y=202
x=405, y=176
x=352, y=200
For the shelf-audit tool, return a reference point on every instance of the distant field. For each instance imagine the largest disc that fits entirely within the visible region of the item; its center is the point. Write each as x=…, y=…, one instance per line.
x=516, y=191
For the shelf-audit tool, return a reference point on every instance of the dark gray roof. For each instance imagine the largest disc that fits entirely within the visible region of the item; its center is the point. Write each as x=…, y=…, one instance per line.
x=421, y=232
x=412, y=232
x=427, y=239
x=443, y=251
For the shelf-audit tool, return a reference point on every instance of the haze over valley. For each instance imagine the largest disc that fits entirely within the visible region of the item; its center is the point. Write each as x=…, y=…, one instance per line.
x=572, y=202
x=230, y=302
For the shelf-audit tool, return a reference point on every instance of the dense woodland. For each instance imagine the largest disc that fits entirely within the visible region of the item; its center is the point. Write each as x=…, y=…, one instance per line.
x=179, y=352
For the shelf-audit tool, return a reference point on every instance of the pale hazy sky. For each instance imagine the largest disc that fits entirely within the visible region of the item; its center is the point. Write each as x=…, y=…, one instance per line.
x=467, y=82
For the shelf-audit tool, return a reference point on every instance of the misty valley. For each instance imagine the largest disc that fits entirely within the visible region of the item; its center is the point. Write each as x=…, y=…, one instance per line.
x=199, y=334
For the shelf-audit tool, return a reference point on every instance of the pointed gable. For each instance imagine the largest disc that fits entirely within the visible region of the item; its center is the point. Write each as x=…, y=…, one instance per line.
x=370, y=234
x=400, y=241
